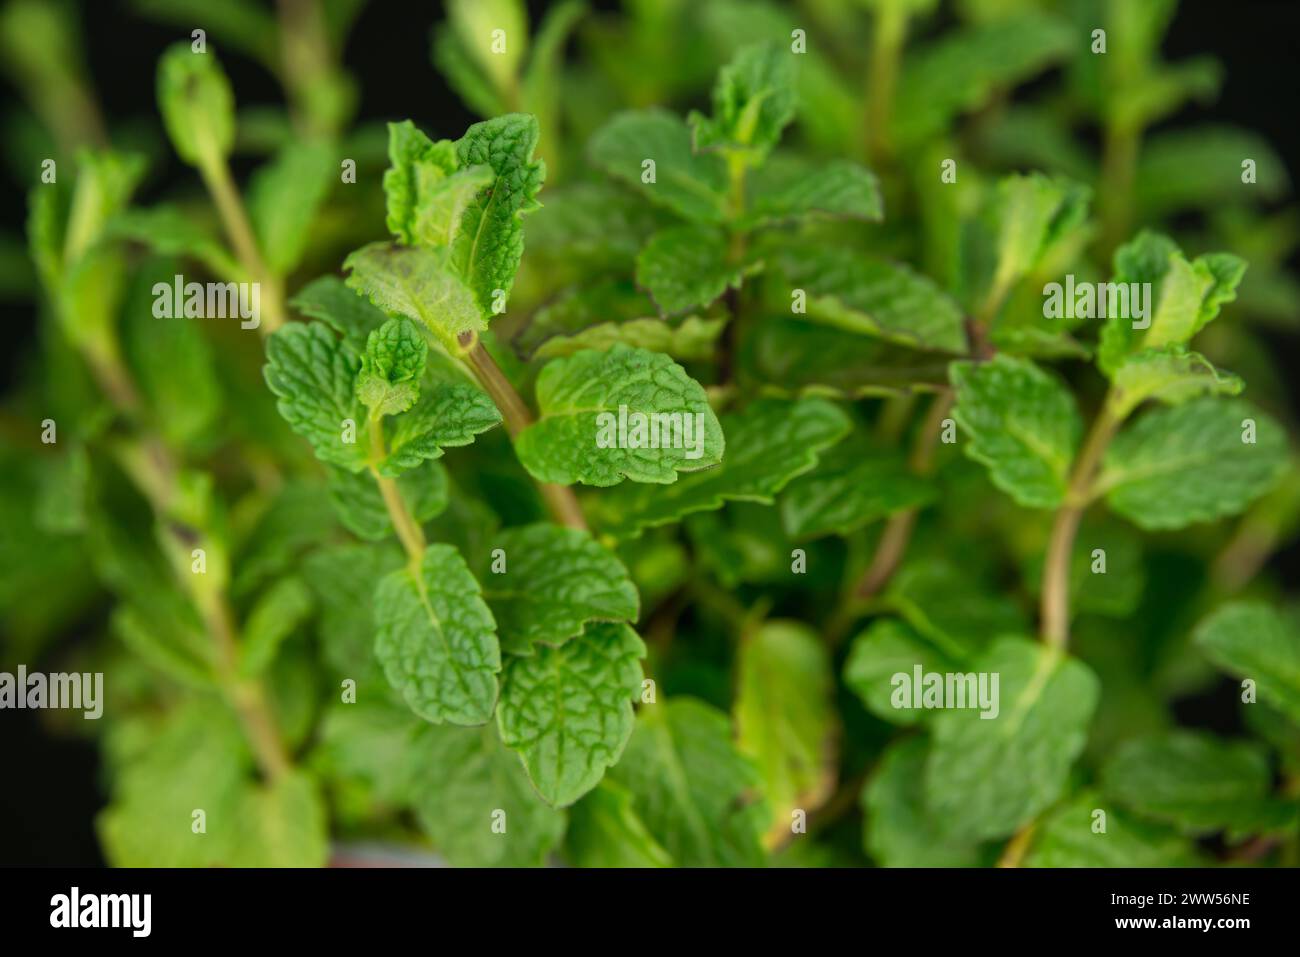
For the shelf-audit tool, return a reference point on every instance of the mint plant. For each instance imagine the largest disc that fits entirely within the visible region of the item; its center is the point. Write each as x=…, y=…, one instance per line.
x=861, y=469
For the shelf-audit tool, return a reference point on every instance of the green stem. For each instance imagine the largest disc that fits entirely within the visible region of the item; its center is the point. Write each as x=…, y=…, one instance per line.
x=882, y=76
x=408, y=529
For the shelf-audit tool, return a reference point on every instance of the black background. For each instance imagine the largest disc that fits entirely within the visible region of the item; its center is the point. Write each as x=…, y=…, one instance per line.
x=49, y=787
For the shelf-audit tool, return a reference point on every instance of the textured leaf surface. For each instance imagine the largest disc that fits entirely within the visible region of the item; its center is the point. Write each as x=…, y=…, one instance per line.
x=850, y=488
x=693, y=338
x=768, y=444
x=687, y=266
x=694, y=185
x=425, y=190
x=784, y=718
x=696, y=794
x=417, y=282
x=437, y=640
x=577, y=394
x=351, y=315
x=1022, y=423
x=449, y=414
x=556, y=580
x=312, y=372
x=568, y=710
x=1186, y=464
x=391, y=368
x=987, y=777
x=360, y=505
x=875, y=297
x=1252, y=640
x=754, y=99
x=788, y=188
x=466, y=781
x=1189, y=779
x=1033, y=213
x=1170, y=375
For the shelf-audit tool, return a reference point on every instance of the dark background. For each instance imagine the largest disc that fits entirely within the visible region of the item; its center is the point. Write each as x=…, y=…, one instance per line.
x=49, y=787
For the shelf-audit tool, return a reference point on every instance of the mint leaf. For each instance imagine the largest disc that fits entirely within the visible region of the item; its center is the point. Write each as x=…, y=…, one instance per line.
x=691, y=184
x=556, y=580
x=465, y=785
x=278, y=612
x=426, y=191
x=566, y=750
x=284, y=197
x=987, y=777
x=487, y=250
x=1191, y=780
x=343, y=579
x=900, y=831
x=1033, y=214
x=754, y=99
x=591, y=404
x=951, y=608
x=167, y=230
x=694, y=338
x=350, y=315
x=1066, y=838
x=605, y=831
x=874, y=297
x=391, y=368
x=692, y=789
x=887, y=648
x=1251, y=640
x=792, y=189
x=688, y=266
x=851, y=487
x=437, y=640
x=1020, y=422
x=360, y=506
x=196, y=103
x=1170, y=375
x=418, y=282
x=1177, y=466
x=768, y=444
x=313, y=374
x=784, y=719
x=449, y=414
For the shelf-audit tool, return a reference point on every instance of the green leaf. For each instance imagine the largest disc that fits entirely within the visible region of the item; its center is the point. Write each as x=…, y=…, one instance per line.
x=427, y=194
x=792, y=189
x=391, y=368
x=169, y=231
x=1021, y=422
x=176, y=651
x=688, y=266
x=900, y=831
x=987, y=777
x=951, y=608
x=887, y=648
x=874, y=297
x=1253, y=641
x=1177, y=466
x=418, y=282
x=278, y=612
x=605, y=831
x=963, y=71
x=1068, y=837
x=313, y=373
x=568, y=710
x=1033, y=214
x=350, y=315
x=450, y=414
x=768, y=444
x=584, y=400
x=1191, y=780
x=784, y=717
x=475, y=23
x=487, y=250
x=554, y=581
x=693, y=790
x=1171, y=375
x=197, y=105
x=360, y=505
x=437, y=640
x=465, y=786
x=693, y=185
x=542, y=81
x=851, y=487
x=343, y=579
x=1200, y=168
x=754, y=99
x=284, y=197
x=694, y=338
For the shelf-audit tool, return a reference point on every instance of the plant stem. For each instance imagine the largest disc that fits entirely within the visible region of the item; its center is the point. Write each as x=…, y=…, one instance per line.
x=1015, y=850
x=1055, y=609
x=234, y=218
x=404, y=523
x=560, y=500
x=1118, y=168
x=886, y=51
